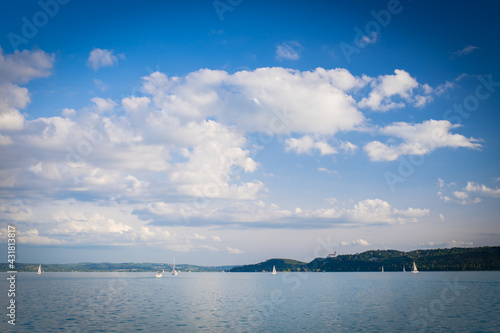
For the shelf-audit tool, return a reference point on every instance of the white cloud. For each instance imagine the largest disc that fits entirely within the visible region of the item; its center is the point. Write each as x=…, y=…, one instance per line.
x=386, y=87
x=357, y=242
x=307, y=144
x=452, y=243
x=465, y=51
x=323, y=169
x=73, y=223
x=418, y=139
x=380, y=211
x=101, y=58
x=288, y=50
x=104, y=105
x=32, y=237
x=442, y=218
x=23, y=66
x=367, y=40
x=472, y=193
x=348, y=147
x=232, y=250
x=482, y=190
x=15, y=212
x=68, y=113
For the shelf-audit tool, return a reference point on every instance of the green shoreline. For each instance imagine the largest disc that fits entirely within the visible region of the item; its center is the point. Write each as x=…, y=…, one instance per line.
x=454, y=259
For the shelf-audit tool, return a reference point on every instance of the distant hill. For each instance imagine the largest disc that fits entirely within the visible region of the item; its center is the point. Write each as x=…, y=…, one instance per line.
x=112, y=267
x=280, y=264
x=454, y=259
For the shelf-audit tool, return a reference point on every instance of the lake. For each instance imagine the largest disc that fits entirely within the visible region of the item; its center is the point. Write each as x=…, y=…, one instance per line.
x=255, y=302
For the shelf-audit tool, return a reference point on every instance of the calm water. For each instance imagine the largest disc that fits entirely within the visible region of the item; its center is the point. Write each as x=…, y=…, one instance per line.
x=255, y=302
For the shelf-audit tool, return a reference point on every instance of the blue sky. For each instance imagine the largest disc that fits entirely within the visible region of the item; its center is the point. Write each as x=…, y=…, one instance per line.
x=230, y=132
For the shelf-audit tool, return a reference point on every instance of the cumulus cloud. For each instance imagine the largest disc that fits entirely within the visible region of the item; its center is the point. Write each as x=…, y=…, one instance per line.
x=101, y=58
x=23, y=66
x=277, y=100
x=482, y=190
x=288, y=50
x=233, y=250
x=259, y=214
x=418, y=139
x=306, y=145
x=104, y=105
x=380, y=211
x=18, y=68
x=32, y=237
x=386, y=87
x=357, y=242
x=470, y=194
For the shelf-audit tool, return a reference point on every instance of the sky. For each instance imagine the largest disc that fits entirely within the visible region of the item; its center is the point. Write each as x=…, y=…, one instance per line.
x=229, y=132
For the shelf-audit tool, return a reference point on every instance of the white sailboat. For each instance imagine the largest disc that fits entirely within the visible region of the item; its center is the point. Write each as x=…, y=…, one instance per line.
x=158, y=274
x=274, y=270
x=382, y=269
x=174, y=272
x=404, y=269
x=414, y=268
x=39, y=269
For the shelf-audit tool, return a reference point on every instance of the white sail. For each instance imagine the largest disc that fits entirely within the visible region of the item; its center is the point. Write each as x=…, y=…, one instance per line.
x=174, y=272
x=414, y=268
x=274, y=270
x=39, y=269
x=404, y=269
x=382, y=269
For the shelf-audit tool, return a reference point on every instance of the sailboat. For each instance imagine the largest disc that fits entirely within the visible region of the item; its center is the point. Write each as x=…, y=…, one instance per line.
x=404, y=269
x=39, y=269
x=158, y=274
x=174, y=272
x=414, y=268
x=382, y=269
x=274, y=270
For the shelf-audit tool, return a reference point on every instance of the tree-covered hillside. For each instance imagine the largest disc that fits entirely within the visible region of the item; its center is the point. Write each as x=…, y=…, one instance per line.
x=454, y=259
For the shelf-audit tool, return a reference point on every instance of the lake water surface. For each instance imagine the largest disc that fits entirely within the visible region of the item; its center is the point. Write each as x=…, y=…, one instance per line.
x=255, y=302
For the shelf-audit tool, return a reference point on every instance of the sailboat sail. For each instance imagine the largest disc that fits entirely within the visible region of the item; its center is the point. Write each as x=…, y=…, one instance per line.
x=39, y=269
x=174, y=272
x=382, y=269
x=274, y=270
x=414, y=268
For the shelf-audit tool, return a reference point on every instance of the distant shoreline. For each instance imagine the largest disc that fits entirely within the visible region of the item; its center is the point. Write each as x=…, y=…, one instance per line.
x=485, y=258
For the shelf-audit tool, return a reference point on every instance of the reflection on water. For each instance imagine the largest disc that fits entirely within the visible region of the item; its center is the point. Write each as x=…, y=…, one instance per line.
x=256, y=302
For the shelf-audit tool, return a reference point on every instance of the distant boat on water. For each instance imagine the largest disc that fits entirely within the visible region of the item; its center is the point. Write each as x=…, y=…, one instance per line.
x=274, y=270
x=382, y=269
x=174, y=272
x=39, y=269
x=158, y=274
x=404, y=269
x=414, y=268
